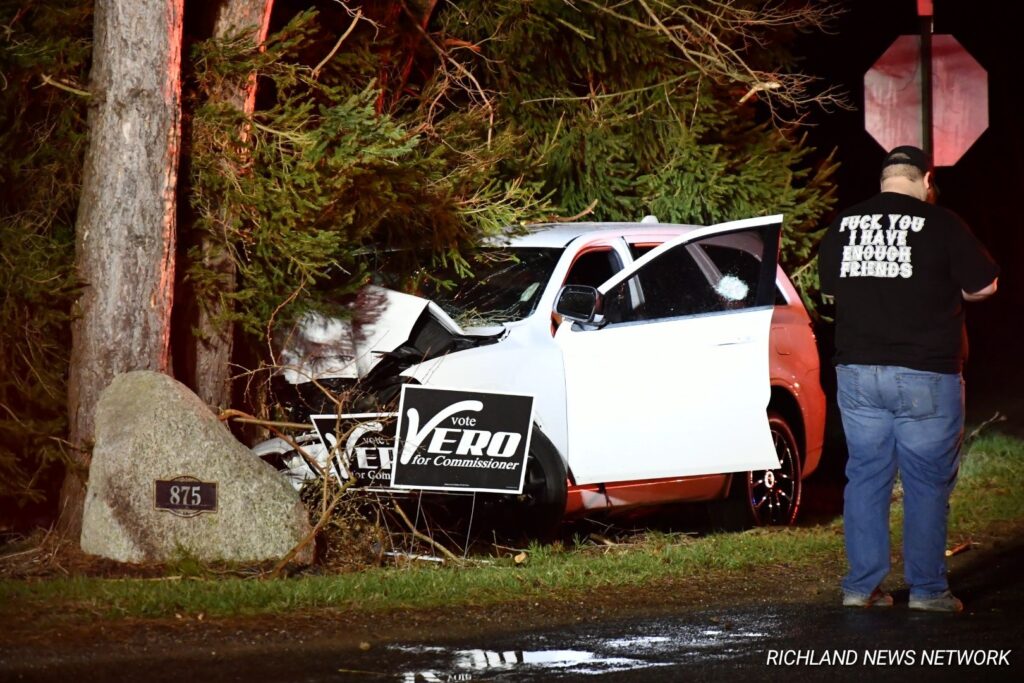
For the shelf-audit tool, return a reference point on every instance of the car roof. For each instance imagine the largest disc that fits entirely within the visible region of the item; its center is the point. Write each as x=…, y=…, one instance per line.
x=560, y=235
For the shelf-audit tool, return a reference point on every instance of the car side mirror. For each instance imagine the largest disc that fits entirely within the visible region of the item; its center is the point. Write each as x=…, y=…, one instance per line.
x=578, y=303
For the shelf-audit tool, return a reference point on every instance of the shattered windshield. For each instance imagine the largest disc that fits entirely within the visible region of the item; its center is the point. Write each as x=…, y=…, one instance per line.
x=505, y=286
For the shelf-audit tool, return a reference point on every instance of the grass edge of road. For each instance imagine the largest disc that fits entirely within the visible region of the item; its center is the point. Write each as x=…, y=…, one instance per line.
x=988, y=497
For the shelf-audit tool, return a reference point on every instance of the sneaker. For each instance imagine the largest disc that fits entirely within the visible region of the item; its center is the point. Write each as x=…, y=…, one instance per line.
x=878, y=598
x=946, y=602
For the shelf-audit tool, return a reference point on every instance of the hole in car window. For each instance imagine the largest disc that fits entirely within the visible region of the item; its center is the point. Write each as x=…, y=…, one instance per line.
x=506, y=285
x=593, y=268
x=738, y=273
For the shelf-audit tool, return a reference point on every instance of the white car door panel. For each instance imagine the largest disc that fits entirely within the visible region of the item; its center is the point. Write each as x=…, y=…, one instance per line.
x=679, y=384
x=526, y=362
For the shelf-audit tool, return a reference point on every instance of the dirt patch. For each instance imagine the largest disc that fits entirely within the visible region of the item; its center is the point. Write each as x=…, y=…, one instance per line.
x=46, y=555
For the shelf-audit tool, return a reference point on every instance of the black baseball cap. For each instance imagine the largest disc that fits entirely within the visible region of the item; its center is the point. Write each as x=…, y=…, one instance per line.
x=909, y=155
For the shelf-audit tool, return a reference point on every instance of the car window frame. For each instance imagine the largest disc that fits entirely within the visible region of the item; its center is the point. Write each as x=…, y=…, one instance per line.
x=689, y=240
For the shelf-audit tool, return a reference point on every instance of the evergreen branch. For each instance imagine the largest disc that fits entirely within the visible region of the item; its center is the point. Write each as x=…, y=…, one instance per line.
x=568, y=219
x=458, y=66
x=695, y=57
x=768, y=16
x=284, y=134
x=704, y=34
x=723, y=56
x=575, y=29
x=794, y=275
x=270, y=322
x=13, y=415
x=664, y=30
x=617, y=93
x=9, y=28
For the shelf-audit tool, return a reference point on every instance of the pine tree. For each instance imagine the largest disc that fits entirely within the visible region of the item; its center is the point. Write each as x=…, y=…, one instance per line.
x=321, y=186
x=44, y=58
x=399, y=129
x=623, y=123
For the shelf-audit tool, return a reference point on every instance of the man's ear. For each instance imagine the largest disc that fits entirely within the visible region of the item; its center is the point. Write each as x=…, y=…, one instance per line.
x=931, y=189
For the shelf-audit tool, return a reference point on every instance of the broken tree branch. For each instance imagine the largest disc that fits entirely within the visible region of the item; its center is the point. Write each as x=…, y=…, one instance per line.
x=422, y=536
x=334, y=50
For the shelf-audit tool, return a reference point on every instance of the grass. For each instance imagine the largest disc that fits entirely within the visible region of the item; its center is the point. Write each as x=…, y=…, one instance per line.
x=989, y=489
x=990, y=494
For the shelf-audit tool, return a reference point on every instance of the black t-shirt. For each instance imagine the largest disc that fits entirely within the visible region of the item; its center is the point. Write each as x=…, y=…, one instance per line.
x=896, y=266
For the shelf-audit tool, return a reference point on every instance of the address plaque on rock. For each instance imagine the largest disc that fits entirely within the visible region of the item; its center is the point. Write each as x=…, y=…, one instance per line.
x=185, y=496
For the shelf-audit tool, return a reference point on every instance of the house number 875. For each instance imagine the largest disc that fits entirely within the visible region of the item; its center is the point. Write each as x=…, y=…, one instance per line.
x=185, y=495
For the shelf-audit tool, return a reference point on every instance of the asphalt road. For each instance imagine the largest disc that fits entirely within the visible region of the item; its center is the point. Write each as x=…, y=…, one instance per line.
x=792, y=642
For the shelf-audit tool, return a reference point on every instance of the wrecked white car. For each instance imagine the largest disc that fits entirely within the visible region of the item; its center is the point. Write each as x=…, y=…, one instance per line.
x=667, y=363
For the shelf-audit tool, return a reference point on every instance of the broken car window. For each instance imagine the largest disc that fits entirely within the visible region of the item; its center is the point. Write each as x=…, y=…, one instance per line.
x=506, y=286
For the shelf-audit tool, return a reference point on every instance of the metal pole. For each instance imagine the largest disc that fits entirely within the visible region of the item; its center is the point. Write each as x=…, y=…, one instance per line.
x=469, y=527
x=924, y=10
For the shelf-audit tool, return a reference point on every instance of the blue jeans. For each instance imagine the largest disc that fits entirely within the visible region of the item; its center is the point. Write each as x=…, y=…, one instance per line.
x=910, y=420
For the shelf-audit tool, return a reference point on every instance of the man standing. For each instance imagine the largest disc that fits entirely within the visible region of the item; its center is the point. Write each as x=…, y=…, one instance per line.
x=900, y=269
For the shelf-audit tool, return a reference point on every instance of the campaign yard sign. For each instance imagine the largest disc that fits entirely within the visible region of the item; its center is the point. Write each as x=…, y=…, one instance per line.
x=450, y=440
x=367, y=449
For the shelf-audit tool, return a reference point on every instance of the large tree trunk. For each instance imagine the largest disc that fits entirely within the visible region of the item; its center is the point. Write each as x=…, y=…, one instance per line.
x=125, y=235
x=213, y=338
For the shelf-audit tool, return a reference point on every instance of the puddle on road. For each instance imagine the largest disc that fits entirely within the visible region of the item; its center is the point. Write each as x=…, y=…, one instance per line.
x=481, y=660
x=480, y=664
x=583, y=651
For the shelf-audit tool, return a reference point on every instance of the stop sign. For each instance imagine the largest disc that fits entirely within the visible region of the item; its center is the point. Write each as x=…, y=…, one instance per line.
x=892, y=97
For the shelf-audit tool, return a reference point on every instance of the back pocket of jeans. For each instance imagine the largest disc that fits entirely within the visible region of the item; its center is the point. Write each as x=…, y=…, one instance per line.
x=918, y=394
x=848, y=394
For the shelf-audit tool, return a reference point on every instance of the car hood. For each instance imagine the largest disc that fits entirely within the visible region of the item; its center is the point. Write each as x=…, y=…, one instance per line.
x=382, y=322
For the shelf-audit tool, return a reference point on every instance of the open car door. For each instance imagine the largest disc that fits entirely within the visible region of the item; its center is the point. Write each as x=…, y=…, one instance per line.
x=675, y=382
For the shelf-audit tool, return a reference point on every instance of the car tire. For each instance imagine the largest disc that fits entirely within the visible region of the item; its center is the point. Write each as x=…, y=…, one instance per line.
x=546, y=486
x=537, y=512
x=764, y=497
x=773, y=497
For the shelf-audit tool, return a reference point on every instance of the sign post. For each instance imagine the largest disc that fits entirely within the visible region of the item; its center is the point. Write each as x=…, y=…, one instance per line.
x=924, y=11
x=927, y=91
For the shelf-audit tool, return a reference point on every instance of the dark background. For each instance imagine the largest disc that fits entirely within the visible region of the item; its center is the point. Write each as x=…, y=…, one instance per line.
x=986, y=186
